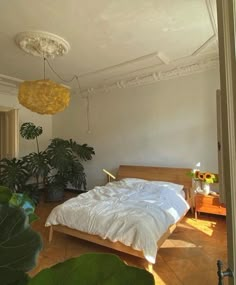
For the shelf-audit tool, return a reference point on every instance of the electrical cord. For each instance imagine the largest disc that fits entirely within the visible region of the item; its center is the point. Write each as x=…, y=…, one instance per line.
x=75, y=77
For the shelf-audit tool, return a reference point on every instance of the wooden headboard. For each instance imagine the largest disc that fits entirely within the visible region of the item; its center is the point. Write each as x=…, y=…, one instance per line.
x=175, y=175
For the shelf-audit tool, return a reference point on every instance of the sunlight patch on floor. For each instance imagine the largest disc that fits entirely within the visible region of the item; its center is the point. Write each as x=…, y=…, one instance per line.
x=177, y=243
x=206, y=227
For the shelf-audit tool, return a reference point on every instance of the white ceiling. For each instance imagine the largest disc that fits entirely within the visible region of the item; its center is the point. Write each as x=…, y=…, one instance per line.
x=114, y=43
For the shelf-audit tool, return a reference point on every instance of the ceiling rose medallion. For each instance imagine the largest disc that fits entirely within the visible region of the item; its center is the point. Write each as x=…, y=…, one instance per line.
x=42, y=44
x=43, y=96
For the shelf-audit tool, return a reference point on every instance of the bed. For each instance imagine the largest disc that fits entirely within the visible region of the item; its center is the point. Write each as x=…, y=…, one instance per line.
x=129, y=178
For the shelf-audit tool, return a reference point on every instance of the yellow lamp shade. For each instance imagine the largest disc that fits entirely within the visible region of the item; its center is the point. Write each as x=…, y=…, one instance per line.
x=43, y=96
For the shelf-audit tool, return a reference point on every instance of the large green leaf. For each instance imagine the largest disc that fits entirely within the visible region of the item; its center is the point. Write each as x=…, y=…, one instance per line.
x=76, y=175
x=38, y=164
x=59, y=154
x=83, y=151
x=13, y=277
x=13, y=173
x=33, y=192
x=29, y=131
x=19, y=244
x=64, y=157
x=19, y=200
x=5, y=195
x=93, y=269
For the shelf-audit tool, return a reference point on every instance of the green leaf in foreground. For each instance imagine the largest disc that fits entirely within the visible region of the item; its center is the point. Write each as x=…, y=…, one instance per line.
x=93, y=269
x=19, y=244
x=21, y=200
x=13, y=277
x=5, y=195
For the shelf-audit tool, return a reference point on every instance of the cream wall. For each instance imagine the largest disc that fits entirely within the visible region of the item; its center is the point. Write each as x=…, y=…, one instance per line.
x=26, y=115
x=169, y=123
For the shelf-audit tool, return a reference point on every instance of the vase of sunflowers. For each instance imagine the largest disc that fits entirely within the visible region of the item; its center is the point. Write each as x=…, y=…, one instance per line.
x=205, y=179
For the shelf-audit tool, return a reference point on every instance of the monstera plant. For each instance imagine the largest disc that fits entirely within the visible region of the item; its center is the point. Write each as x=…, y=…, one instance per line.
x=64, y=157
x=20, y=246
x=59, y=165
x=37, y=162
x=14, y=174
x=30, y=132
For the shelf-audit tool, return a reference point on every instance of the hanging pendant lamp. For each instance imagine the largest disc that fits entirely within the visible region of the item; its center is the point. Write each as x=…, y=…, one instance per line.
x=43, y=96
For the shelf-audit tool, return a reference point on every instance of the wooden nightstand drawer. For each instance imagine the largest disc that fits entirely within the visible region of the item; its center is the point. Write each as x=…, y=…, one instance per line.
x=209, y=204
x=207, y=200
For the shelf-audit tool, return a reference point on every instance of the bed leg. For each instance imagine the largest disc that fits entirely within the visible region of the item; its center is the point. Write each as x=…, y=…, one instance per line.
x=50, y=234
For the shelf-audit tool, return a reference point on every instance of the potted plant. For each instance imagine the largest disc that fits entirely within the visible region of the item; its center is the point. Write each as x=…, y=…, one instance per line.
x=59, y=165
x=65, y=158
x=15, y=174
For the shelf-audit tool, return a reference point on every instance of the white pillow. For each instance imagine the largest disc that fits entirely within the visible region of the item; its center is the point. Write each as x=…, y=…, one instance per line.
x=170, y=185
x=131, y=181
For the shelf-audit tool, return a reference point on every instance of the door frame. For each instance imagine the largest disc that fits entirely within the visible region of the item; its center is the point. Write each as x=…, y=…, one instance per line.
x=226, y=32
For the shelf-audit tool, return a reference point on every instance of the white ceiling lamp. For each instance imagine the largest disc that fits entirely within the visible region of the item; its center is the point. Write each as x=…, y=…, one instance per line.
x=43, y=96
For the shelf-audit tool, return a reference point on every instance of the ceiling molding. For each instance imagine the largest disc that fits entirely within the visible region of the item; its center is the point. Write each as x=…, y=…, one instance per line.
x=182, y=67
x=6, y=78
x=126, y=64
x=211, y=8
x=153, y=77
x=153, y=62
x=163, y=57
x=205, y=46
x=9, y=85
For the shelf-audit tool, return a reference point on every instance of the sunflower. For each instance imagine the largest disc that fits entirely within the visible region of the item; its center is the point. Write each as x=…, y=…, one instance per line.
x=201, y=176
x=209, y=177
x=196, y=173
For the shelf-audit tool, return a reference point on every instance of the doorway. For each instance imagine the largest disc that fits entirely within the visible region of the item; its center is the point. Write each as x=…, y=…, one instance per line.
x=9, y=133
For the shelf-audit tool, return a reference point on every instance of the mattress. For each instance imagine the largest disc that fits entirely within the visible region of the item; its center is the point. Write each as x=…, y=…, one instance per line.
x=132, y=211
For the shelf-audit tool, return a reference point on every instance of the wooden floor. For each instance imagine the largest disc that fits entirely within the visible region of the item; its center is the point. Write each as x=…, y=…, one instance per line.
x=188, y=257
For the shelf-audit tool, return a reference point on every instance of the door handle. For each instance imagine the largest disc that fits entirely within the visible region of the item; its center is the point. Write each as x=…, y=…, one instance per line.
x=221, y=274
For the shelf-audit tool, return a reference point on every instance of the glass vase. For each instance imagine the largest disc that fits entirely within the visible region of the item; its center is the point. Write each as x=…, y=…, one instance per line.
x=197, y=185
x=206, y=188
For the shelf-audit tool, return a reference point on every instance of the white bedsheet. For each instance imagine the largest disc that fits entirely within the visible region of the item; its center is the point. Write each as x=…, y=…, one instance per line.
x=135, y=213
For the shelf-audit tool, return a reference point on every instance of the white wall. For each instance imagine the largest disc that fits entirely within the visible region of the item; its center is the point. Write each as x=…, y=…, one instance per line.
x=169, y=123
x=26, y=115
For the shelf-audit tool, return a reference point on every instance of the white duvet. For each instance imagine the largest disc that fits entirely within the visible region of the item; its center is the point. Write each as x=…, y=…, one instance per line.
x=133, y=211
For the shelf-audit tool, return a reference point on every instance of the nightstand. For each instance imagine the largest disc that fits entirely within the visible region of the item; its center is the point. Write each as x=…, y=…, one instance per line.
x=209, y=204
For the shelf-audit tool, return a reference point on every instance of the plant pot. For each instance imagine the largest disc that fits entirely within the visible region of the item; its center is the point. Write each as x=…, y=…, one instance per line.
x=54, y=193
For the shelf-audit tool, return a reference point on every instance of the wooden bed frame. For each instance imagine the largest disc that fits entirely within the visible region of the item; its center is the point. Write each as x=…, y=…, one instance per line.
x=176, y=175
